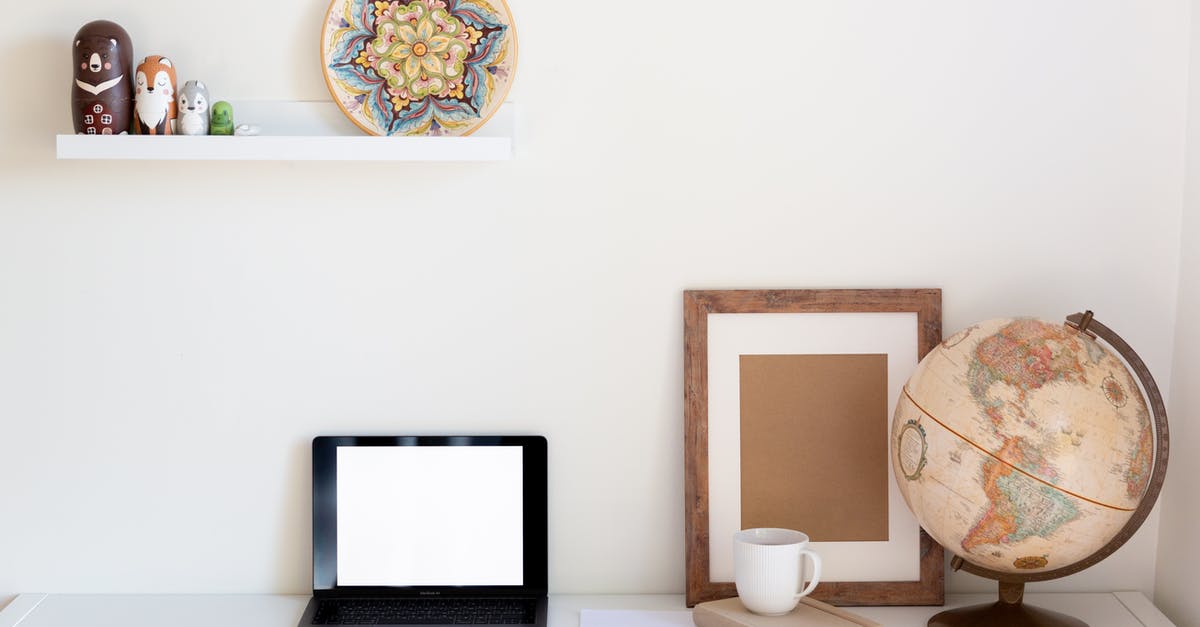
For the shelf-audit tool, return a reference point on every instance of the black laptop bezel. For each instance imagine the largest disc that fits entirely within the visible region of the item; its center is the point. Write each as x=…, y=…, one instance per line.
x=535, y=515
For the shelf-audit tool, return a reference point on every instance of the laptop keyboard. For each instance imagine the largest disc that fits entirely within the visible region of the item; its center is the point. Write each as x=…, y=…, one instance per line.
x=456, y=611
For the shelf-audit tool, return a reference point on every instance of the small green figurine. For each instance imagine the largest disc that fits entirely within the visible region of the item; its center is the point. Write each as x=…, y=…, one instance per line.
x=222, y=119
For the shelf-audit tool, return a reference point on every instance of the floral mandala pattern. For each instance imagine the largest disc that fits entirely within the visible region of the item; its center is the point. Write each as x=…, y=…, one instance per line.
x=418, y=67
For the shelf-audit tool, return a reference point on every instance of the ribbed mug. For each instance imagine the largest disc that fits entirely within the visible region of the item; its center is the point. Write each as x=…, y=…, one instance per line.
x=767, y=568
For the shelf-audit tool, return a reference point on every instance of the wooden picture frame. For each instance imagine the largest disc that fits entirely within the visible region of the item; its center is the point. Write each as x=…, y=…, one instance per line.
x=929, y=588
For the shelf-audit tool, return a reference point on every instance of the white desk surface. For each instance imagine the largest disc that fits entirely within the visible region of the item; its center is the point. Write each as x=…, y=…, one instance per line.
x=1100, y=609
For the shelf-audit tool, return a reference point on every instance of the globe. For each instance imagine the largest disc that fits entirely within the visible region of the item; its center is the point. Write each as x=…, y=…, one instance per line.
x=1026, y=448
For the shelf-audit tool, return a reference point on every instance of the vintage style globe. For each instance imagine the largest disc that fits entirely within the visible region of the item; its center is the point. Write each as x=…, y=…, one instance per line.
x=1027, y=449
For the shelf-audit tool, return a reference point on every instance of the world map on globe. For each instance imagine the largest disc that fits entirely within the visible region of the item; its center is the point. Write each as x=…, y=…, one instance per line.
x=1022, y=445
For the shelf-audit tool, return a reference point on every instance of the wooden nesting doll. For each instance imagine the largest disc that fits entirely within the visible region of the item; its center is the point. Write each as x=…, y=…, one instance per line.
x=222, y=119
x=193, y=109
x=102, y=91
x=154, y=97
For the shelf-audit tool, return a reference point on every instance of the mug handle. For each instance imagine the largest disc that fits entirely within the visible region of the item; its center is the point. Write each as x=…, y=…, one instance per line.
x=816, y=576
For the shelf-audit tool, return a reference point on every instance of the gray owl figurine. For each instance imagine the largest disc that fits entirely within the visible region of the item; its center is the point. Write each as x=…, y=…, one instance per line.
x=193, y=109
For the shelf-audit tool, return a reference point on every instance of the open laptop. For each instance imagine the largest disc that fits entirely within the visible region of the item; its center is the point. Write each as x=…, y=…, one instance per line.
x=429, y=530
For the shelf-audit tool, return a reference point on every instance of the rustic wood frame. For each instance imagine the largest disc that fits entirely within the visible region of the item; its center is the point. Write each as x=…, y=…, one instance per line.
x=926, y=303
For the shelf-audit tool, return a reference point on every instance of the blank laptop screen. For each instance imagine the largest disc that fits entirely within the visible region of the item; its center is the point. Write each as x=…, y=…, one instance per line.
x=429, y=516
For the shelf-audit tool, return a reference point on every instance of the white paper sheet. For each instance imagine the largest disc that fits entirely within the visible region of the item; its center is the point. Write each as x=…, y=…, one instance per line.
x=635, y=618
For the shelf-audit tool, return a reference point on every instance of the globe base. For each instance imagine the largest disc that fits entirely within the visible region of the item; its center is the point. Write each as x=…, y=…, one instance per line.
x=1009, y=611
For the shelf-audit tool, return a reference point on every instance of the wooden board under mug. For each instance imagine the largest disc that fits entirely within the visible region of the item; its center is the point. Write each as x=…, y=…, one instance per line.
x=809, y=613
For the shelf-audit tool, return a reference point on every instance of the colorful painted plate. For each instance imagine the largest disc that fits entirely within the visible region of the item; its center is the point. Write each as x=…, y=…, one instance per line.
x=419, y=67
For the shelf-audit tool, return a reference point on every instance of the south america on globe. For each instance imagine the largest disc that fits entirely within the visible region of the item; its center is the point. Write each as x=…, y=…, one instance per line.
x=1022, y=445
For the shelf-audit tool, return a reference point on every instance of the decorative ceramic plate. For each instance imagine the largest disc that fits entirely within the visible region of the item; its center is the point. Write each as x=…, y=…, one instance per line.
x=418, y=67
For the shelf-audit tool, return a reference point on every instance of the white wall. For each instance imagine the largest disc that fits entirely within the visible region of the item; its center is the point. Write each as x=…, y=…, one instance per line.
x=172, y=335
x=1179, y=548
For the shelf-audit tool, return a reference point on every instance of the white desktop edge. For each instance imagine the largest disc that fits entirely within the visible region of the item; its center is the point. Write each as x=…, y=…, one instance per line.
x=274, y=610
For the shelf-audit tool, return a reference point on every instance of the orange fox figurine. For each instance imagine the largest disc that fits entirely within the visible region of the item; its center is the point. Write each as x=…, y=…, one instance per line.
x=154, y=99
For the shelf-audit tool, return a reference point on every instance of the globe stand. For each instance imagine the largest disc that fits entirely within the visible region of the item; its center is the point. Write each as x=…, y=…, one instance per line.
x=1009, y=611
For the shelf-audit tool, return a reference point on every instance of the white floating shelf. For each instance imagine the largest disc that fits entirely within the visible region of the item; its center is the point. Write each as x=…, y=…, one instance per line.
x=300, y=131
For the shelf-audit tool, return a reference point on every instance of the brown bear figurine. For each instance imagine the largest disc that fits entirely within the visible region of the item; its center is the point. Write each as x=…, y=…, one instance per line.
x=102, y=91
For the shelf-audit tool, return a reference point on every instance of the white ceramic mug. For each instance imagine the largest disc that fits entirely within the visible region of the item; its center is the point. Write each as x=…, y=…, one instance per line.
x=767, y=568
